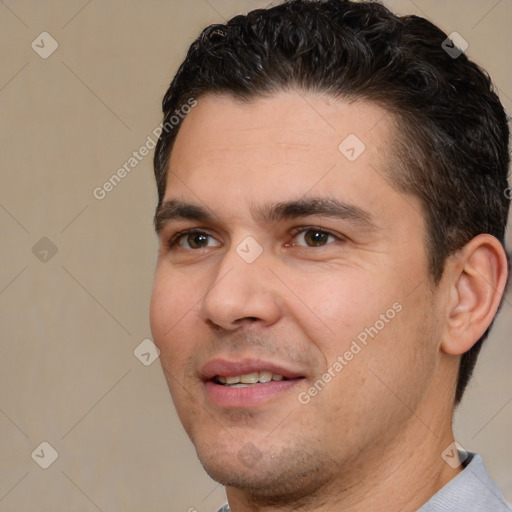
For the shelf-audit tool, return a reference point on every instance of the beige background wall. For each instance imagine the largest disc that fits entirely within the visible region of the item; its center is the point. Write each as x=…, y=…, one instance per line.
x=70, y=321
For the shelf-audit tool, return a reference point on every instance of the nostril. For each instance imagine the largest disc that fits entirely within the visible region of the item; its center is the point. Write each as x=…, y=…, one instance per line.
x=246, y=321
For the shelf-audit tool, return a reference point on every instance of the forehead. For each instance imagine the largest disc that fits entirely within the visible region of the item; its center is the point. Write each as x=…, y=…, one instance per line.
x=230, y=153
x=296, y=122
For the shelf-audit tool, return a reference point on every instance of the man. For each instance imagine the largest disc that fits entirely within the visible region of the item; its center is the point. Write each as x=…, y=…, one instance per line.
x=332, y=206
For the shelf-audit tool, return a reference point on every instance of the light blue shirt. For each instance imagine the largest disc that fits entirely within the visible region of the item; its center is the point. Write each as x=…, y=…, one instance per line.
x=472, y=490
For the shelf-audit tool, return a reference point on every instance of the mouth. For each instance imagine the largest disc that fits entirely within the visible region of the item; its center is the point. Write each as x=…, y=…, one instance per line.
x=246, y=383
x=248, y=379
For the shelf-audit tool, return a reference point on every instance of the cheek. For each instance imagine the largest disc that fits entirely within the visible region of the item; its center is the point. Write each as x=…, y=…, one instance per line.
x=172, y=306
x=171, y=321
x=401, y=357
x=342, y=304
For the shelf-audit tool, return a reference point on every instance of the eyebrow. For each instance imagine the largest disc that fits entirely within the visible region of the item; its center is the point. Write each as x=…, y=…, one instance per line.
x=325, y=207
x=305, y=207
x=179, y=210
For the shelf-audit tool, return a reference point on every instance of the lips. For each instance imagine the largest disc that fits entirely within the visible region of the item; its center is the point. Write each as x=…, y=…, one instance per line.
x=246, y=383
x=234, y=368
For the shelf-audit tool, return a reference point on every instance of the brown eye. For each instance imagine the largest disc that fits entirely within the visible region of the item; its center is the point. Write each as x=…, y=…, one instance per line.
x=196, y=240
x=313, y=237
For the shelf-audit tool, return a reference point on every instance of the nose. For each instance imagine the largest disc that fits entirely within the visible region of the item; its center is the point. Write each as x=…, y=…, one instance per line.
x=241, y=294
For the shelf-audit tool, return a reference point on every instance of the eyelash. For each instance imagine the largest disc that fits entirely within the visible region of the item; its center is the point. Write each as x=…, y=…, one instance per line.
x=175, y=239
x=304, y=229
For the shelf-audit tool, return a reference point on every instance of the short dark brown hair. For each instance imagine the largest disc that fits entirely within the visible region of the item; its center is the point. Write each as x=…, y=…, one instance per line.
x=452, y=148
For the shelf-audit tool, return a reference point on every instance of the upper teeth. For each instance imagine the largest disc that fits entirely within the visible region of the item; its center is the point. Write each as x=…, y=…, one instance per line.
x=250, y=378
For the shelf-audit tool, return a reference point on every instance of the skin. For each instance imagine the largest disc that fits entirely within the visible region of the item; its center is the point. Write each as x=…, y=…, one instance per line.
x=372, y=438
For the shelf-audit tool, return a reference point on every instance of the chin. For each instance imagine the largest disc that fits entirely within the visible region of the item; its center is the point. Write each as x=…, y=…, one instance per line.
x=270, y=476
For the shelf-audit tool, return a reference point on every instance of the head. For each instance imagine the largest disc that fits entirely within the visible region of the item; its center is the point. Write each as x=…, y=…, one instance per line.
x=433, y=168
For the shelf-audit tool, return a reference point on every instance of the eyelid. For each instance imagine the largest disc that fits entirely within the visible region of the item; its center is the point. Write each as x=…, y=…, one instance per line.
x=302, y=229
x=299, y=229
x=172, y=241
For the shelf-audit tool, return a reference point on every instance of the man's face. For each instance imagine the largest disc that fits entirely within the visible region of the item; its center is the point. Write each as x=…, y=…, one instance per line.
x=281, y=255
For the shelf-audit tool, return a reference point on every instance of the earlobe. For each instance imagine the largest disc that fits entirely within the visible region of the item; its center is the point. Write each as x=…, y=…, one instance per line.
x=478, y=275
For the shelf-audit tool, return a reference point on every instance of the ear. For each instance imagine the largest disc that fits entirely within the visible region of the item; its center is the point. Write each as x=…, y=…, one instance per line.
x=477, y=276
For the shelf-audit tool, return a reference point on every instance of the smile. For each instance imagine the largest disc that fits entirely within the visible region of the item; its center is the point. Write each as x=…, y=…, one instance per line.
x=248, y=379
x=246, y=383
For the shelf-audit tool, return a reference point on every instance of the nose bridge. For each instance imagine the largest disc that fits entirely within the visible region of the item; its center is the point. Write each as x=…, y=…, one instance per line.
x=242, y=289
